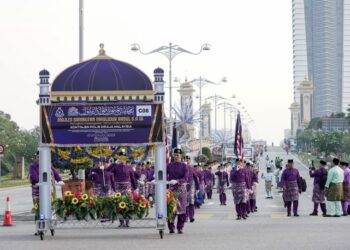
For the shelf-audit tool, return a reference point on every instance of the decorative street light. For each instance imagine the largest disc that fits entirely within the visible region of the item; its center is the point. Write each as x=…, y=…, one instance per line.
x=201, y=82
x=170, y=51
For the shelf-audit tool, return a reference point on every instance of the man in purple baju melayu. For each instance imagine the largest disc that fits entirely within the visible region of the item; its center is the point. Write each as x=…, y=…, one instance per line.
x=124, y=178
x=103, y=180
x=346, y=187
x=222, y=182
x=177, y=175
x=291, y=188
x=318, y=194
x=209, y=182
x=192, y=186
x=240, y=186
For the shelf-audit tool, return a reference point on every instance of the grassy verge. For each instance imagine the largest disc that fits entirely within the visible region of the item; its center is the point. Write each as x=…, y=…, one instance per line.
x=306, y=157
x=7, y=182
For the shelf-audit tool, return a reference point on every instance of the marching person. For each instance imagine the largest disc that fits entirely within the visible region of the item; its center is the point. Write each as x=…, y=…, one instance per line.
x=34, y=180
x=254, y=183
x=209, y=181
x=222, y=182
x=334, y=190
x=318, y=196
x=34, y=177
x=150, y=183
x=177, y=175
x=268, y=177
x=124, y=178
x=240, y=187
x=291, y=188
x=192, y=186
x=346, y=188
x=102, y=179
x=200, y=194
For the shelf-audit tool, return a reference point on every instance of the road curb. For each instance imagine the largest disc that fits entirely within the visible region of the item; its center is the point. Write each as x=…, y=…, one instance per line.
x=15, y=187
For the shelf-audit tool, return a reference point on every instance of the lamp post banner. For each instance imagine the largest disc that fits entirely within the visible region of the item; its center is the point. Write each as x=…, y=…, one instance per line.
x=77, y=124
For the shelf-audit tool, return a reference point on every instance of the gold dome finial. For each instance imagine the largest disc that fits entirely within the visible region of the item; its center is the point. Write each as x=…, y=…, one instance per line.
x=102, y=52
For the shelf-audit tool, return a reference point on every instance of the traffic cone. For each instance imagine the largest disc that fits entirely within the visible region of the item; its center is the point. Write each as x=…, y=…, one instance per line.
x=8, y=214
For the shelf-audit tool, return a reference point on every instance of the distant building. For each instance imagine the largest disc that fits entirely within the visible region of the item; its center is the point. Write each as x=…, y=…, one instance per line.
x=327, y=26
x=300, y=69
x=335, y=124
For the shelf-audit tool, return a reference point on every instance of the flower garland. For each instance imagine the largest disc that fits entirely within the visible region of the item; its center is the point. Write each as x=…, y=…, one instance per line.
x=84, y=206
x=100, y=153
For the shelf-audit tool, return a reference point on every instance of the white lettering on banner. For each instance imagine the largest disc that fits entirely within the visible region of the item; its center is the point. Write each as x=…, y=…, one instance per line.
x=144, y=110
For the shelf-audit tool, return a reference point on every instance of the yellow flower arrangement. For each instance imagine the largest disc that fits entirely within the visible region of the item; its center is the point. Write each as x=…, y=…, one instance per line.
x=36, y=206
x=75, y=201
x=122, y=205
x=117, y=195
x=84, y=197
x=143, y=205
x=68, y=193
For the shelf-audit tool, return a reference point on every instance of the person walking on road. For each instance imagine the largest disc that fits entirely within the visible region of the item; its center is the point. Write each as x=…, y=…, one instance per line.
x=318, y=195
x=191, y=187
x=334, y=190
x=177, y=175
x=209, y=182
x=291, y=188
x=346, y=187
x=268, y=177
x=240, y=187
x=222, y=182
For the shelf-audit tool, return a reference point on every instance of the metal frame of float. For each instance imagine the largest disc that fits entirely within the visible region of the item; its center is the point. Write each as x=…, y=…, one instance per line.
x=46, y=221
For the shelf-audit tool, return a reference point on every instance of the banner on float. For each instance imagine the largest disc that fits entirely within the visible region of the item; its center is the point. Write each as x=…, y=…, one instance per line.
x=101, y=124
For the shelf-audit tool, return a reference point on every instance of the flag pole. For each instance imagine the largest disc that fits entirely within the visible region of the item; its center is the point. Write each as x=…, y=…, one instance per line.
x=81, y=30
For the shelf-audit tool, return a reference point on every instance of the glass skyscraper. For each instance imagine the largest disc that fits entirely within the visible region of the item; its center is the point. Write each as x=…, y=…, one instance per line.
x=300, y=69
x=327, y=39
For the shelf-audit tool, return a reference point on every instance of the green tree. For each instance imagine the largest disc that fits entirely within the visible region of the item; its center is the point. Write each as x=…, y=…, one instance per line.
x=206, y=151
x=19, y=143
x=315, y=123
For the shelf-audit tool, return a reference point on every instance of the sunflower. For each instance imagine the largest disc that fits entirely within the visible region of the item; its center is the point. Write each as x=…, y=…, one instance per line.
x=122, y=205
x=75, y=201
x=167, y=194
x=36, y=206
x=84, y=197
x=117, y=195
x=68, y=193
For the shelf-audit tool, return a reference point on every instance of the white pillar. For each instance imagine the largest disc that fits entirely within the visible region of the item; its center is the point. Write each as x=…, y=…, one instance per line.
x=45, y=182
x=160, y=190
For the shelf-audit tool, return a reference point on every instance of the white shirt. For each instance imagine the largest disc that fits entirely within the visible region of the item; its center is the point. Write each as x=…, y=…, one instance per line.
x=268, y=176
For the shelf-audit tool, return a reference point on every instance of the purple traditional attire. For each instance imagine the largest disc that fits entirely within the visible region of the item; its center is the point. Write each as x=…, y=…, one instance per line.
x=252, y=195
x=222, y=181
x=346, y=191
x=291, y=187
x=124, y=180
x=240, y=187
x=150, y=186
x=318, y=194
x=34, y=178
x=178, y=171
x=103, y=182
x=191, y=186
x=209, y=182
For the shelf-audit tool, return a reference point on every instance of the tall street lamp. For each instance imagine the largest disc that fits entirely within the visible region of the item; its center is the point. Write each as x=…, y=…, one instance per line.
x=201, y=82
x=170, y=51
x=216, y=98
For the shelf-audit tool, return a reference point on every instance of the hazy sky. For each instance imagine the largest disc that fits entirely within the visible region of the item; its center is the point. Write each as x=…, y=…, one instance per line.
x=251, y=45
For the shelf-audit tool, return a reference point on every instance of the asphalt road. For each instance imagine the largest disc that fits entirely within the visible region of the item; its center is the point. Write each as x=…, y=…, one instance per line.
x=215, y=228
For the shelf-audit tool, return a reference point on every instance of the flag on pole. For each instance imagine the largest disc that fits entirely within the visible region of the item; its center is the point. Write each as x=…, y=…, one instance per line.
x=239, y=138
x=167, y=151
x=174, y=138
